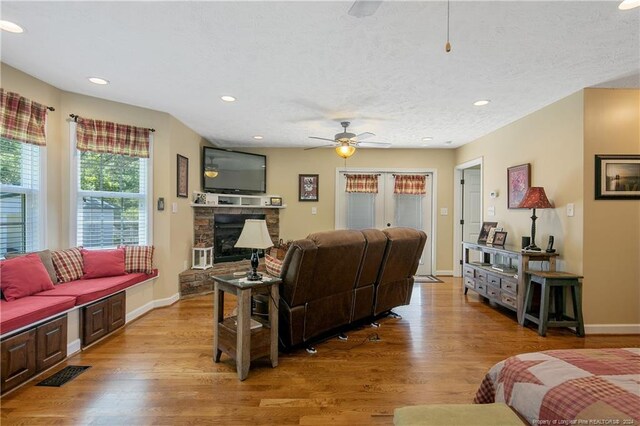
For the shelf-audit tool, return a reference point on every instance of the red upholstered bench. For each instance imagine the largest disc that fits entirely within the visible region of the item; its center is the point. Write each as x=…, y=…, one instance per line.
x=86, y=291
x=28, y=310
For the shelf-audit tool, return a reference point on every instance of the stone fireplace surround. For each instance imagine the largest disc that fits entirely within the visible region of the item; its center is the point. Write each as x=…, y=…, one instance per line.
x=195, y=282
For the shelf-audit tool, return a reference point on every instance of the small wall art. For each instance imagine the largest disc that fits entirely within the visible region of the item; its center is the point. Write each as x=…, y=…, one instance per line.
x=308, y=188
x=518, y=181
x=617, y=177
x=183, y=177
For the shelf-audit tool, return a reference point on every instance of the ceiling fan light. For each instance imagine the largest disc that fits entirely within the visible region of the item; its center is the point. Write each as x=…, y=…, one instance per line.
x=629, y=4
x=345, y=151
x=211, y=173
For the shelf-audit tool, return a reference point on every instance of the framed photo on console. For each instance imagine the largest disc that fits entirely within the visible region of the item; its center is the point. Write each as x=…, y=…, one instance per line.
x=484, y=231
x=499, y=238
x=308, y=188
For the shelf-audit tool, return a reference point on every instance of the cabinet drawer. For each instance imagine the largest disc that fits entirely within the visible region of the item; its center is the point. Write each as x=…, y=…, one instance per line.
x=95, y=322
x=481, y=288
x=493, y=280
x=18, y=359
x=481, y=274
x=493, y=292
x=468, y=282
x=469, y=272
x=510, y=286
x=508, y=299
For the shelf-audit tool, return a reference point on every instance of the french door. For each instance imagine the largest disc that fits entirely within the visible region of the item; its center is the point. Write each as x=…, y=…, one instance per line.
x=386, y=209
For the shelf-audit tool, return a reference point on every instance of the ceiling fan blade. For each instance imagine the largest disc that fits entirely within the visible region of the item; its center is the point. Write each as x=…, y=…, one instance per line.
x=322, y=139
x=365, y=135
x=320, y=146
x=374, y=144
x=364, y=8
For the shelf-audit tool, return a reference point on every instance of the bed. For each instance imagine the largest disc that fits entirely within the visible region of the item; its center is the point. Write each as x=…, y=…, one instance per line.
x=571, y=387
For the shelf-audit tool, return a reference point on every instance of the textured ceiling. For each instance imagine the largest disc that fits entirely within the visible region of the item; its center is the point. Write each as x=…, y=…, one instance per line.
x=298, y=68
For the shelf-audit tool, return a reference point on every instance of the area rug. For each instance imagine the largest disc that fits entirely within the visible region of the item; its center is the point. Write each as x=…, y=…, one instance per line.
x=426, y=279
x=63, y=376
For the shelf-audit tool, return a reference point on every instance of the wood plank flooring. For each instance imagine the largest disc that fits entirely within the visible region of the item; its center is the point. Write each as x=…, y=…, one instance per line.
x=159, y=369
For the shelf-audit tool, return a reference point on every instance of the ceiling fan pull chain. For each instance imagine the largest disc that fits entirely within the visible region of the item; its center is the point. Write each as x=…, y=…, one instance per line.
x=447, y=47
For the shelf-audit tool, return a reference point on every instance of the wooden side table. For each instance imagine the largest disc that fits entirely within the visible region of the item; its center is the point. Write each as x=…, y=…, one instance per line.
x=234, y=335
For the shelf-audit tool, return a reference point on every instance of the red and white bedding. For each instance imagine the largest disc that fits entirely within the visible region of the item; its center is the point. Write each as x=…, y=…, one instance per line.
x=571, y=387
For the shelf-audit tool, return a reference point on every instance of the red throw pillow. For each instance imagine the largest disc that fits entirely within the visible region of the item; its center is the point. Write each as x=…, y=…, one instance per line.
x=23, y=276
x=102, y=263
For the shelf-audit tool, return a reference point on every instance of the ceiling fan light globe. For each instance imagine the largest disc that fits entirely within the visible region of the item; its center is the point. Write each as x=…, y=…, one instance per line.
x=345, y=151
x=211, y=173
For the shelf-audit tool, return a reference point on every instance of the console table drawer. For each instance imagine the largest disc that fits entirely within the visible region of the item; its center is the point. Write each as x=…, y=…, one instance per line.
x=493, y=292
x=510, y=286
x=469, y=272
x=481, y=274
x=468, y=282
x=508, y=299
x=481, y=288
x=493, y=280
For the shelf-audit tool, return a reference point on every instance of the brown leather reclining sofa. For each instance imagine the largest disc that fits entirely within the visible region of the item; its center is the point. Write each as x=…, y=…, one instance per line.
x=335, y=278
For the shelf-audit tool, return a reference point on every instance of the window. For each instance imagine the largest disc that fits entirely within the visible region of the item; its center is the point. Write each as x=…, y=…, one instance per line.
x=21, y=206
x=111, y=201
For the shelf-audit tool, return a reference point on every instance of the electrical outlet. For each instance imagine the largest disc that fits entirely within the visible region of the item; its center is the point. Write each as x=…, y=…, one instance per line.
x=444, y=211
x=570, y=210
x=491, y=211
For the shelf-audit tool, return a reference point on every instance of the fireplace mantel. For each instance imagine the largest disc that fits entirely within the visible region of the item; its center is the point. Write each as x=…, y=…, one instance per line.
x=233, y=200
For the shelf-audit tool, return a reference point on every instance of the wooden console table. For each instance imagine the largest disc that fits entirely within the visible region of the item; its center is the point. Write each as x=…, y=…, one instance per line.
x=234, y=335
x=507, y=286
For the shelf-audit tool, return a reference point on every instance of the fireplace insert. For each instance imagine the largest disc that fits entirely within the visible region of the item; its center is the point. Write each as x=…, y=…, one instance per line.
x=226, y=231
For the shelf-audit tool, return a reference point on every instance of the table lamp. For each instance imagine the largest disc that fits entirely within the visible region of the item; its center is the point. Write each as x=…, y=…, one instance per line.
x=535, y=198
x=254, y=235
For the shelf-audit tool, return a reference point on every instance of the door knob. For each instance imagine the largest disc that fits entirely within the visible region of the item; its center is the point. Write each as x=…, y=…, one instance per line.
x=388, y=224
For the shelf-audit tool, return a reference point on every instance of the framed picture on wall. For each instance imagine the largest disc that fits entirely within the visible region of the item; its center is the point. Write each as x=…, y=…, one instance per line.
x=518, y=181
x=617, y=177
x=183, y=177
x=308, y=188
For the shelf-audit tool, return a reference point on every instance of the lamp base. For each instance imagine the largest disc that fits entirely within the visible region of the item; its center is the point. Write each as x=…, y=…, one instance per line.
x=254, y=276
x=532, y=247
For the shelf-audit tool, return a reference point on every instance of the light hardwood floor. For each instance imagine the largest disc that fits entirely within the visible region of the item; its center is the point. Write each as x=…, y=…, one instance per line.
x=159, y=369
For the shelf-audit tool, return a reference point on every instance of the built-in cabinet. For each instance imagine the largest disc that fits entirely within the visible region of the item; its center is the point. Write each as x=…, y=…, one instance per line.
x=499, y=273
x=103, y=317
x=32, y=351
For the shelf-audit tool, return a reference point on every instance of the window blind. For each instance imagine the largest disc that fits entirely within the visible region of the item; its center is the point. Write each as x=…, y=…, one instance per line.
x=361, y=212
x=111, y=201
x=20, y=208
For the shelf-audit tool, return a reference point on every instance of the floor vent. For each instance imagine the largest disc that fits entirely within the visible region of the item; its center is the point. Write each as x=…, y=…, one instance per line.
x=63, y=376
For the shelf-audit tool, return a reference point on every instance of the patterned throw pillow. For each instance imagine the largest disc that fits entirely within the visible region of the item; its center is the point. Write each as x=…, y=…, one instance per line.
x=138, y=259
x=274, y=265
x=68, y=264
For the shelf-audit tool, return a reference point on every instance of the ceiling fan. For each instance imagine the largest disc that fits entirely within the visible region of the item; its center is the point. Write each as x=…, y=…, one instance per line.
x=347, y=141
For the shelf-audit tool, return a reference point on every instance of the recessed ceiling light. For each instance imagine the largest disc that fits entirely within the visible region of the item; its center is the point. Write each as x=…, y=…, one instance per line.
x=448, y=142
x=11, y=27
x=482, y=102
x=98, y=80
x=427, y=139
x=227, y=98
x=629, y=4
x=258, y=137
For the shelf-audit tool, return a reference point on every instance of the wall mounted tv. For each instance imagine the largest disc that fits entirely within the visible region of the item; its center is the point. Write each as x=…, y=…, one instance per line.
x=233, y=172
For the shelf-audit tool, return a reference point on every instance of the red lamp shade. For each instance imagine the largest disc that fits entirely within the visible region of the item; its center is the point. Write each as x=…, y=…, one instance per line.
x=535, y=198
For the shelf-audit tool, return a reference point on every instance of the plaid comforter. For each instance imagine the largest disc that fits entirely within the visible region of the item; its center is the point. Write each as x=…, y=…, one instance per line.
x=568, y=387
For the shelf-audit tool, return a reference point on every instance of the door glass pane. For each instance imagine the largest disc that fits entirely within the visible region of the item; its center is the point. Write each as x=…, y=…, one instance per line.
x=408, y=211
x=360, y=210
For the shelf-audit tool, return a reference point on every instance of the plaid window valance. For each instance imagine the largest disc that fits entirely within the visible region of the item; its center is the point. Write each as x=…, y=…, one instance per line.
x=362, y=183
x=21, y=119
x=113, y=138
x=410, y=184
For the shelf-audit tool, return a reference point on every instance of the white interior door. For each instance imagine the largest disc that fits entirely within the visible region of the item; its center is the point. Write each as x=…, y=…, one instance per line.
x=386, y=209
x=471, y=206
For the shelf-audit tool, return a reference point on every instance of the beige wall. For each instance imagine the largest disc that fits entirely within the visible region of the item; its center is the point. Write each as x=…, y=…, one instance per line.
x=284, y=165
x=611, y=227
x=551, y=141
x=172, y=233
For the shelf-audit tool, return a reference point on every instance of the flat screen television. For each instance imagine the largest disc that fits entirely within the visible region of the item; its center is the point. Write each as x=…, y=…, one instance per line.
x=233, y=172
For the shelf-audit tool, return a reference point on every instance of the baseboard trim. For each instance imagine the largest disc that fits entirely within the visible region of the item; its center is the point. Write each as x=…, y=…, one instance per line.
x=73, y=347
x=448, y=273
x=612, y=328
x=160, y=303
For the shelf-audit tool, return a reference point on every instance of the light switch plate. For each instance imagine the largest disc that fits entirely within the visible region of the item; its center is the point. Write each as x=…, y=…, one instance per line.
x=570, y=210
x=314, y=210
x=174, y=207
x=491, y=211
x=444, y=211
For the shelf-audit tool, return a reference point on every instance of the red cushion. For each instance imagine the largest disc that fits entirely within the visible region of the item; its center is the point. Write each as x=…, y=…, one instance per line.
x=102, y=263
x=89, y=290
x=25, y=311
x=23, y=276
